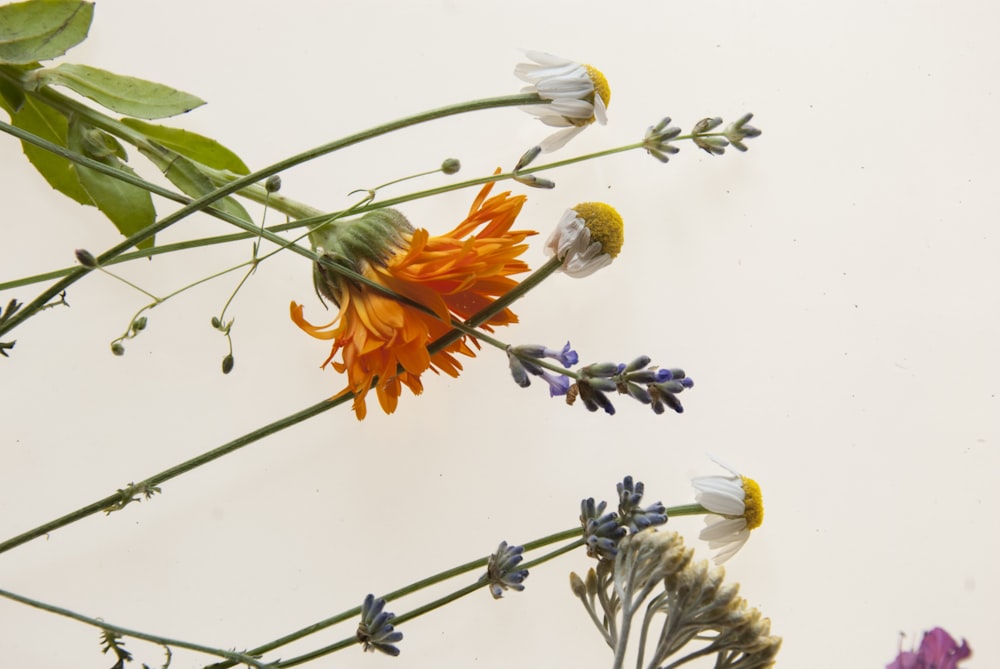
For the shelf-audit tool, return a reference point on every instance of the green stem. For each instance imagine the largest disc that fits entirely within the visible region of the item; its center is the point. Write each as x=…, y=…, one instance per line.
x=253, y=230
x=155, y=480
x=200, y=203
x=430, y=606
x=461, y=329
x=235, y=658
x=686, y=510
x=572, y=533
x=440, y=577
x=116, y=500
x=305, y=215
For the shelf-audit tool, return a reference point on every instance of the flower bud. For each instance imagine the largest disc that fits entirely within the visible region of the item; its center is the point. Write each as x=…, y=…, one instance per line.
x=86, y=258
x=587, y=238
x=373, y=238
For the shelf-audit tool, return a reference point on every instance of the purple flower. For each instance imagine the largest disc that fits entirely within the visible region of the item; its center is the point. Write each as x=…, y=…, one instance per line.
x=937, y=651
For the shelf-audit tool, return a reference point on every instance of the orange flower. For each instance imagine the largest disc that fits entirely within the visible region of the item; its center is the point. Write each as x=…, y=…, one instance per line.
x=457, y=274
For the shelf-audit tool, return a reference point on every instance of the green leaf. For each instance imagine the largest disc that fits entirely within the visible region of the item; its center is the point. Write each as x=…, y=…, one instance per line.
x=12, y=95
x=125, y=95
x=129, y=207
x=42, y=29
x=191, y=180
x=51, y=125
x=201, y=149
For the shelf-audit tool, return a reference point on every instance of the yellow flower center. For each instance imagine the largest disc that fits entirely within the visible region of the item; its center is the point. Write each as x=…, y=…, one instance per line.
x=601, y=86
x=753, y=502
x=605, y=225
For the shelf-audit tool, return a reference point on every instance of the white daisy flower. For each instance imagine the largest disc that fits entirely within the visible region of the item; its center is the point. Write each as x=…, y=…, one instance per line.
x=579, y=93
x=739, y=506
x=587, y=238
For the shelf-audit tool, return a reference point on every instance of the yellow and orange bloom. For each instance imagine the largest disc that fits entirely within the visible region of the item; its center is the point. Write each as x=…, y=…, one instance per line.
x=384, y=341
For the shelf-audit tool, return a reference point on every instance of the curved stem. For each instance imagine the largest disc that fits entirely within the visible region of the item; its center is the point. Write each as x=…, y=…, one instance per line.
x=286, y=206
x=201, y=203
x=118, y=500
x=428, y=607
x=440, y=577
x=235, y=658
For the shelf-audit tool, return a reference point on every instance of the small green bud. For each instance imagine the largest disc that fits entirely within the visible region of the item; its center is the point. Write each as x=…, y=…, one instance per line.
x=273, y=184
x=216, y=323
x=451, y=166
x=139, y=324
x=601, y=369
x=639, y=363
x=227, y=364
x=533, y=181
x=85, y=258
x=118, y=349
x=527, y=157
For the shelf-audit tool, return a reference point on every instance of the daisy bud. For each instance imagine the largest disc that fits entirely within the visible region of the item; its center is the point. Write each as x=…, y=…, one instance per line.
x=587, y=238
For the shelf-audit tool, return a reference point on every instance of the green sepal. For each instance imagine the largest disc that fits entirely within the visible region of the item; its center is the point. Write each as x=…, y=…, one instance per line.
x=49, y=124
x=42, y=29
x=120, y=93
x=129, y=207
x=192, y=181
x=197, y=147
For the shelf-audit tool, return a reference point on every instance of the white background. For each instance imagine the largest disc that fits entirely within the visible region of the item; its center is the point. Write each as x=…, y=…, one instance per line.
x=833, y=292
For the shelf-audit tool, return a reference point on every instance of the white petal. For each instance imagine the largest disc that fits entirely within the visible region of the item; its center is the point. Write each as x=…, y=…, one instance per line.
x=730, y=550
x=558, y=140
x=544, y=58
x=719, y=531
x=600, y=111
x=573, y=108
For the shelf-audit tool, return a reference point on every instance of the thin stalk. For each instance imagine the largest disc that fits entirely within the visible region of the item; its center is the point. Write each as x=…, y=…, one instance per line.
x=251, y=230
x=419, y=611
x=117, y=501
x=284, y=205
x=154, y=481
x=200, y=203
x=234, y=657
x=440, y=577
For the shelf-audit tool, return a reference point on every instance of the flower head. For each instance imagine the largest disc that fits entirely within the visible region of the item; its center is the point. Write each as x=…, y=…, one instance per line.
x=382, y=340
x=634, y=516
x=740, y=507
x=502, y=572
x=938, y=650
x=375, y=632
x=579, y=93
x=588, y=237
x=522, y=363
x=601, y=531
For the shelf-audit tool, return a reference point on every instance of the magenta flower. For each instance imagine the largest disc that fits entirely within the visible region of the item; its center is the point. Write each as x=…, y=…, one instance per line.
x=937, y=651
